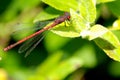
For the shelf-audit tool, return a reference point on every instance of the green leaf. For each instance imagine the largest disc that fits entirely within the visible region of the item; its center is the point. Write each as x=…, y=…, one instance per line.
x=111, y=38
x=63, y=5
x=72, y=29
x=114, y=7
x=65, y=31
x=78, y=22
x=104, y=1
x=96, y=31
x=47, y=14
x=116, y=25
x=88, y=10
x=109, y=49
x=108, y=42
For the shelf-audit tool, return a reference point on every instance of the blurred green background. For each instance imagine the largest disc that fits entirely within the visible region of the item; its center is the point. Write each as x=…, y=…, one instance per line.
x=55, y=58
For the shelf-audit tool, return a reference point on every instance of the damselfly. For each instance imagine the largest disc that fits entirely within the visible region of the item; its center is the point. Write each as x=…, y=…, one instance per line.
x=57, y=21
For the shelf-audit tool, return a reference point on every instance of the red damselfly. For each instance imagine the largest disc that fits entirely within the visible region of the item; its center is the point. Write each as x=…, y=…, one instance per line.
x=57, y=21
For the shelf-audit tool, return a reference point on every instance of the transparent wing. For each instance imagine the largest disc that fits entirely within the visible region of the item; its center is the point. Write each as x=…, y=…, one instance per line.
x=34, y=46
x=33, y=42
x=41, y=24
x=28, y=44
x=20, y=28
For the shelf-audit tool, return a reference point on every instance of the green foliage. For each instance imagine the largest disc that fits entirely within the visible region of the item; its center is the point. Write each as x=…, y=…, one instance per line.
x=114, y=6
x=107, y=41
x=103, y=1
x=62, y=5
x=116, y=25
x=80, y=22
x=87, y=10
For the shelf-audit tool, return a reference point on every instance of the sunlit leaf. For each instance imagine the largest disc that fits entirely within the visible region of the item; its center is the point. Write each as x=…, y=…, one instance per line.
x=62, y=5
x=104, y=1
x=78, y=22
x=116, y=25
x=109, y=43
x=97, y=31
x=111, y=38
x=111, y=51
x=73, y=28
x=65, y=31
x=88, y=10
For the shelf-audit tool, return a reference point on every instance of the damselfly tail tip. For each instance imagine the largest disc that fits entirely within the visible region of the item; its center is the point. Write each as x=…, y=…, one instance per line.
x=5, y=49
